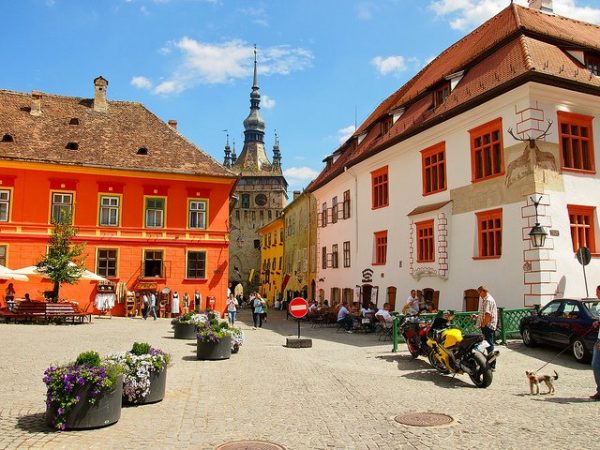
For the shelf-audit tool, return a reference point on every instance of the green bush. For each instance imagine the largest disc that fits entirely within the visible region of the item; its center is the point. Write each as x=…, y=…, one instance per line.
x=140, y=348
x=89, y=359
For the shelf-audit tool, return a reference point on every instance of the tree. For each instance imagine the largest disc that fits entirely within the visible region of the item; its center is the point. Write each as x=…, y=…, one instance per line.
x=62, y=262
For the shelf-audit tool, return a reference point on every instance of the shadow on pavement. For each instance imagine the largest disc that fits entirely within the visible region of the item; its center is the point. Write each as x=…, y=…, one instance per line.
x=190, y=358
x=563, y=400
x=34, y=423
x=405, y=362
x=545, y=354
x=447, y=382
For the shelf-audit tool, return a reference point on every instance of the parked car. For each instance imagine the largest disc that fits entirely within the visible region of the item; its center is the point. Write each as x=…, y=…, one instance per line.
x=564, y=322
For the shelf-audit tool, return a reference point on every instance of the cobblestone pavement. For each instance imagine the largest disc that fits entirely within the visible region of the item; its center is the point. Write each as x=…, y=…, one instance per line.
x=341, y=394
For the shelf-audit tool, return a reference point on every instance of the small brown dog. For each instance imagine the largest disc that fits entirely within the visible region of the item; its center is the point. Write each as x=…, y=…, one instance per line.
x=535, y=380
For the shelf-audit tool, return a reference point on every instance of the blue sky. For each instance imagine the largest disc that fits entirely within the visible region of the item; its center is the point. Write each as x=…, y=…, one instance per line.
x=322, y=63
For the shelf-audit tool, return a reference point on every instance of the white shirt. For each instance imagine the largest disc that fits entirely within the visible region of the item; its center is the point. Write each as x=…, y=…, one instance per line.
x=413, y=303
x=232, y=304
x=385, y=314
x=342, y=313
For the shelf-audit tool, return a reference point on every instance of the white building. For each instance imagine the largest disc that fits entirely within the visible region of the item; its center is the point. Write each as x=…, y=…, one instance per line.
x=442, y=176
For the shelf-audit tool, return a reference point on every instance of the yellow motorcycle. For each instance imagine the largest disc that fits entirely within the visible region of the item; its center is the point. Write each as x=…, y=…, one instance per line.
x=451, y=351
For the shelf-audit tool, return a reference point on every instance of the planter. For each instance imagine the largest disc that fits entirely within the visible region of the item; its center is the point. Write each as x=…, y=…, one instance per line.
x=105, y=411
x=214, y=351
x=158, y=385
x=184, y=330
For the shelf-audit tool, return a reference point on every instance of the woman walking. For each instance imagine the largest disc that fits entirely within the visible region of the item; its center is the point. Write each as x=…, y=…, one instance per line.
x=232, y=307
x=258, y=311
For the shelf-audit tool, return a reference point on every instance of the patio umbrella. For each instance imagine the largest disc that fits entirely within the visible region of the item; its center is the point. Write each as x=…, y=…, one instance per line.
x=34, y=271
x=7, y=274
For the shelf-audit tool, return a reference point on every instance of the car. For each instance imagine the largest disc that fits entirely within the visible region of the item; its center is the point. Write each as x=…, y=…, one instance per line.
x=563, y=323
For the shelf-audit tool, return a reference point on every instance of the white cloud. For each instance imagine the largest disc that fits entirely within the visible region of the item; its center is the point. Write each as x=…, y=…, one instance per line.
x=389, y=64
x=468, y=14
x=141, y=82
x=258, y=15
x=299, y=175
x=267, y=102
x=208, y=63
x=345, y=133
x=364, y=11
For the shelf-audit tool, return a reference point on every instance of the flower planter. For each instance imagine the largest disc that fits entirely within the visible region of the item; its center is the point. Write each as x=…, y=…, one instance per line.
x=185, y=330
x=105, y=411
x=158, y=385
x=214, y=350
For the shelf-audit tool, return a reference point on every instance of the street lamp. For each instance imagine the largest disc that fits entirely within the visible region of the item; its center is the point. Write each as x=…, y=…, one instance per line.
x=538, y=233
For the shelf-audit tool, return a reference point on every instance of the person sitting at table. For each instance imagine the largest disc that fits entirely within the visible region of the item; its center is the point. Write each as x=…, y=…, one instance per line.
x=27, y=299
x=325, y=304
x=344, y=319
x=385, y=313
x=313, y=308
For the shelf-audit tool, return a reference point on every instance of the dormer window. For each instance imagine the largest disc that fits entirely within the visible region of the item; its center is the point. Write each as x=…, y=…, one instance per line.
x=72, y=146
x=386, y=124
x=441, y=94
x=142, y=151
x=8, y=138
x=592, y=62
x=74, y=121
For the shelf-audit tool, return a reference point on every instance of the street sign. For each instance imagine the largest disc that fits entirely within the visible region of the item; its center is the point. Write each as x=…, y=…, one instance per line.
x=298, y=308
x=584, y=256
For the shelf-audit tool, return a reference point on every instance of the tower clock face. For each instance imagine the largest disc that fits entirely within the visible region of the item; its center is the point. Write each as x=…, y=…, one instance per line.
x=260, y=200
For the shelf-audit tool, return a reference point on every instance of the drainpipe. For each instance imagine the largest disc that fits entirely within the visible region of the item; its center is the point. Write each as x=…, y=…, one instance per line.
x=355, y=205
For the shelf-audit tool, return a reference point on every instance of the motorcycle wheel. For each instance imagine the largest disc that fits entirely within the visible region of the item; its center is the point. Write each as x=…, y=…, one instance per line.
x=437, y=365
x=413, y=348
x=483, y=375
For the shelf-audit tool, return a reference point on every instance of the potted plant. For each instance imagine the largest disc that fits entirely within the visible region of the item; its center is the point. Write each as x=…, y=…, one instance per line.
x=84, y=394
x=145, y=373
x=237, y=339
x=185, y=326
x=213, y=340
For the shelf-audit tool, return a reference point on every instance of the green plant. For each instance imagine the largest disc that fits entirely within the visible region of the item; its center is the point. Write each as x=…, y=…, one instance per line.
x=140, y=348
x=89, y=359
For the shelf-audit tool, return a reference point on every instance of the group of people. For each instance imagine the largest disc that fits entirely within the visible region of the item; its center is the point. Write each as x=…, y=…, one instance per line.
x=416, y=303
x=348, y=318
x=149, y=303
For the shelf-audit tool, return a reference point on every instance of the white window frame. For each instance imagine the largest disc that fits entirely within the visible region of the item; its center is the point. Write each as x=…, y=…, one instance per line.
x=197, y=209
x=4, y=205
x=154, y=217
x=111, y=204
x=59, y=205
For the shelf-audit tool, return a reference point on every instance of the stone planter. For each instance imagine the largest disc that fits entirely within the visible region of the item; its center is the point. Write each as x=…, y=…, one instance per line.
x=105, y=411
x=214, y=351
x=158, y=386
x=184, y=330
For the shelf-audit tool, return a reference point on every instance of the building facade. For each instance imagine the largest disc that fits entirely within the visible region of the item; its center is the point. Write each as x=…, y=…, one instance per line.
x=260, y=194
x=151, y=208
x=446, y=171
x=271, y=256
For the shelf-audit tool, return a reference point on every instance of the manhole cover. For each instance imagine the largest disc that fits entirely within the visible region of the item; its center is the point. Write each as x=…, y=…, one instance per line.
x=250, y=445
x=424, y=419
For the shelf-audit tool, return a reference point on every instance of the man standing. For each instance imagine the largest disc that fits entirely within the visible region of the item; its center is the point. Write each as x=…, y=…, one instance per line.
x=153, y=304
x=596, y=359
x=487, y=319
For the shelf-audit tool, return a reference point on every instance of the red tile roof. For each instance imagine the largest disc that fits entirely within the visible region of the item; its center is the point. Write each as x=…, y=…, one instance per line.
x=515, y=46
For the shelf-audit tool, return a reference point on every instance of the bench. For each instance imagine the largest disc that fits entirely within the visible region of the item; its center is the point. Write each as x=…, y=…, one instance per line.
x=42, y=311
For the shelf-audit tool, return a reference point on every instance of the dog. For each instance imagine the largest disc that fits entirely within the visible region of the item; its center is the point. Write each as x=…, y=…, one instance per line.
x=535, y=380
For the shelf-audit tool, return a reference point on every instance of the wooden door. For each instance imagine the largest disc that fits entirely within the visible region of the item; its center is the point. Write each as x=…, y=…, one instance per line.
x=391, y=297
x=471, y=300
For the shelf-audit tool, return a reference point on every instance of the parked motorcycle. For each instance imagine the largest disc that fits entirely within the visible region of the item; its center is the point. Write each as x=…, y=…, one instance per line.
x=414, y=331
x=452, y=352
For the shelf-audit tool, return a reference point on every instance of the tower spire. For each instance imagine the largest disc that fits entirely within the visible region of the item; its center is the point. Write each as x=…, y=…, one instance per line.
x=254, y=125
x=255, y=82
x=276, y=152
x=233, y=154
x=227, y=160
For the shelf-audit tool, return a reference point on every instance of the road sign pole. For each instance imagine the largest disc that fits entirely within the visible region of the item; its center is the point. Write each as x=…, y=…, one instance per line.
x=587, y=295
x=298, y=320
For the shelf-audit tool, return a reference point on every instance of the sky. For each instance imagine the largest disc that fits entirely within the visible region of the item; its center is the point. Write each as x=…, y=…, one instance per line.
x=323, y=65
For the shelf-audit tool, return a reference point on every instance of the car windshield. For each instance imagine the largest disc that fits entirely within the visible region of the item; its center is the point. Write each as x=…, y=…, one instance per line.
x=593, y=307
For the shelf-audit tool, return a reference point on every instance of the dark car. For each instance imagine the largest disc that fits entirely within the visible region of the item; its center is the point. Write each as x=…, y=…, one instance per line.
x=564, y=322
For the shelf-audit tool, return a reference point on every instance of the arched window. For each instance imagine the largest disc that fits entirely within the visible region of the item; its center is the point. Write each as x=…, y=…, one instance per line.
x=72, y=146
x=74, y=121
x=142, y=151
x=8, y=138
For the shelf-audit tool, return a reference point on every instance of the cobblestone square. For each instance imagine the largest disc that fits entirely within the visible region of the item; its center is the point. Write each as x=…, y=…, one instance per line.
x=343, y=393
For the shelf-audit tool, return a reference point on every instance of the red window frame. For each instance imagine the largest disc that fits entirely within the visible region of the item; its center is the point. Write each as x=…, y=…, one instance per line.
x=425, y=243
x=576, y=142
x=380, y=241
x=379, y=188
x=433, y=165
x=582, y=223
x=489, y=233
x=487, y=151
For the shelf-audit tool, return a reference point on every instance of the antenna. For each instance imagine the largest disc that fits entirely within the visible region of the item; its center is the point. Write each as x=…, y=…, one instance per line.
x=355, y=114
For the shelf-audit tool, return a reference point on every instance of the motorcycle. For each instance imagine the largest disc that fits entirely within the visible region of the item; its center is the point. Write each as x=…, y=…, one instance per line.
x=414, y=331
x=452, y=352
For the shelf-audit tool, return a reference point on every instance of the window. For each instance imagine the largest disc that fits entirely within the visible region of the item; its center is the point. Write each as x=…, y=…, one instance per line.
x=275, y=237
x=434, y=169
x=487, y=151
x=62, y=207
x=281, y=237
x=196, y=264
x=380, y=239
x=106, y=265
x=155, y=212
x=237, y=215
x=581, y=219
x=489, y=226
x=153, y=263
x=592, y=62
x=346, y=206
x=334, y=210
x=109, y=210
x=425, y=247
x=4, y=204
x=280, y=262
x=142, y=151
x=197, y=214
x=323, y=257
x=441, y=94
x=72, y=146
x=3, y=251
x=324, y=215
x=257, y=244
x=268, y=240
x=576, y=143
x=245, y=200
x=7, y=138
x=346, y=249
x=334, y=256
x=386, y=124
x=270, y=214
x=379, y=187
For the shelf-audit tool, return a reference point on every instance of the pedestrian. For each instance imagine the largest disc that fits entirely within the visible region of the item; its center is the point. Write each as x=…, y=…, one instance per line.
x=186, y=303
x=152, y=305
x=9, y=296
x=252, y=297
x=487, y=319
x=596, y=358
x=232, y=307
x=145, y=305
x=258, y=307
x=175, y=305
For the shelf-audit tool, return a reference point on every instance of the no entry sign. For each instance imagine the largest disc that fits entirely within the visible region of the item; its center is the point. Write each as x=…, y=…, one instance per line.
x=298, y=308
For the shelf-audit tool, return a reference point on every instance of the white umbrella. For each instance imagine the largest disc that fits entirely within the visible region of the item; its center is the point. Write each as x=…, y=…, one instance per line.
x=33, y=270
x=7, y=274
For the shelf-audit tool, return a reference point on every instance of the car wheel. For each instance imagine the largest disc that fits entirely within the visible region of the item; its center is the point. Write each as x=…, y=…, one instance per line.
x=527, y=338
x=580, y=353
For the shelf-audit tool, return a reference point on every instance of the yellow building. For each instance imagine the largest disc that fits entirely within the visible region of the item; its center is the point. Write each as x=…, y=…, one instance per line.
x=271, y=260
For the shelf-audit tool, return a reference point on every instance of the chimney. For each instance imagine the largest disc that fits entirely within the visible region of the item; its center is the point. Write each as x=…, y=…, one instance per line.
x=100, y=104
x=36, y=104
x=542, y=5
x=172, y=123
x=296, y=194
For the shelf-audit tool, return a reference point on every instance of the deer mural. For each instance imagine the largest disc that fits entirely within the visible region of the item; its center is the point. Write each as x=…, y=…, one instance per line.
x=531, y=157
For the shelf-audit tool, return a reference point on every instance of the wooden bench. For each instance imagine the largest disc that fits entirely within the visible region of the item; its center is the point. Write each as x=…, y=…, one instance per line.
x=41, y=311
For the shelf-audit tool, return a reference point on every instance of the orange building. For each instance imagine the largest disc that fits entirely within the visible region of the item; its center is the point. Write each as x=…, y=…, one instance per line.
x=151, y=207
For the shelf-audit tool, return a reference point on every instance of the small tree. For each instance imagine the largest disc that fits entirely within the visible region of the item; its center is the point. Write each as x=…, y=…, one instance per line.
x=62, y=263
